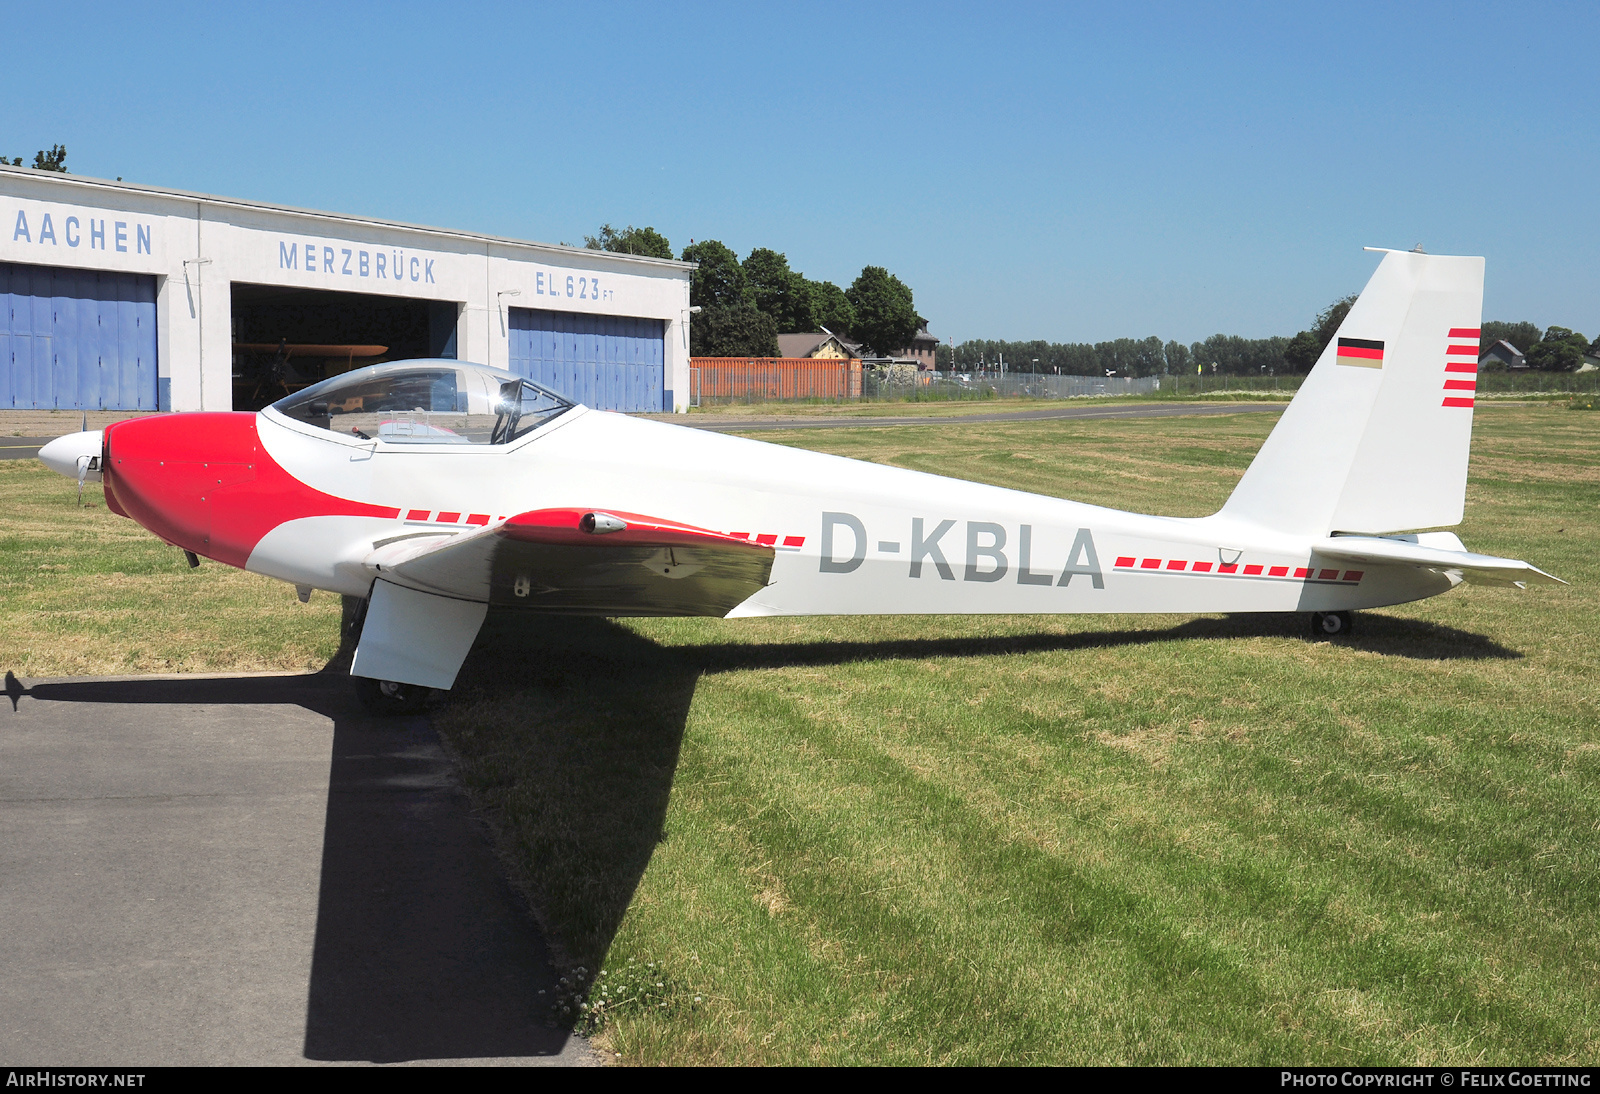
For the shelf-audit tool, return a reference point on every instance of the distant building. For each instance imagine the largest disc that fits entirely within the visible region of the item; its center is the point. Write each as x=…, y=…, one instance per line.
x=826, y=344
x=818, y=344
x=1503, y=354
x=921, y=350
x=1591, y=363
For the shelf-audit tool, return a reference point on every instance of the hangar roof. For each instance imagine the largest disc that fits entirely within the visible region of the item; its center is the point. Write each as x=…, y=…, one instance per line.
x=49, y=178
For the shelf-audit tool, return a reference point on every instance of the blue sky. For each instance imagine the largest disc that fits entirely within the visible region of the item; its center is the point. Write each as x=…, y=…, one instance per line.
x=1032, y=171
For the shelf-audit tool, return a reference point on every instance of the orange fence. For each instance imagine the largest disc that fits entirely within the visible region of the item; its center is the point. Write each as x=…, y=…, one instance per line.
x=752, y=379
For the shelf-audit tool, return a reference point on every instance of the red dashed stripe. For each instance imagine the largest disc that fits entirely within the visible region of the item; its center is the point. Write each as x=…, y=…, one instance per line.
x=478, y=518
x=770, y=539
x=1304, y=573
x=1462, y=351
x=1466, y=332
x=1458, y=402
x=1472, y=368
x=448, y=518
x=419, y=514
x=1461, y=385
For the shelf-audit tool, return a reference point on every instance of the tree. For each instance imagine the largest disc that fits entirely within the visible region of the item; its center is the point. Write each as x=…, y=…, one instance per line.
x=833, y=309
x=779, y=291
x=738, y=330
x=720, y=280
x=1560, y=350
x=886, y=319
x=629, y=241
x=1305, y=348
x=1179, y=359
x=53, y=160
x=1523, y=335
x=1594, y=347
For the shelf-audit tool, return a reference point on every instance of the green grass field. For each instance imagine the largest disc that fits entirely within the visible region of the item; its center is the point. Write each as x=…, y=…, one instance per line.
x=1138, y=839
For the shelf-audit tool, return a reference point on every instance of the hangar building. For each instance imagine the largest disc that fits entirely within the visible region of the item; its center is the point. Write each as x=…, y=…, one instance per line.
x=124, y=297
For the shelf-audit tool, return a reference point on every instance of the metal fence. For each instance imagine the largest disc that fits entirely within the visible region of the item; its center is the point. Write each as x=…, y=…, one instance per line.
x=1014, y=385
x=803, y=379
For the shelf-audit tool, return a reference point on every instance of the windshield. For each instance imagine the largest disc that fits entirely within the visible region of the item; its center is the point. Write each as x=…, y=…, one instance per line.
x=426, y=402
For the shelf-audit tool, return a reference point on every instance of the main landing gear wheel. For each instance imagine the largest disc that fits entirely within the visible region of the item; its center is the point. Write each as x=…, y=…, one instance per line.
x=390, y=697
x=1330, y=624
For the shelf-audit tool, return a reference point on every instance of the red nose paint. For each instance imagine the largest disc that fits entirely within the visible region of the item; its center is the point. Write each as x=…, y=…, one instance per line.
x=204, y=483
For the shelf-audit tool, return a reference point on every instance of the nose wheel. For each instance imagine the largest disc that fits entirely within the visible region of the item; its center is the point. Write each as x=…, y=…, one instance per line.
x=387, y=698
x=1330, y=624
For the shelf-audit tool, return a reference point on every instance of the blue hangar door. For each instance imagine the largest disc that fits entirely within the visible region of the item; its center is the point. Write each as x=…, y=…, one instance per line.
x=77, y=339
x=609, y=362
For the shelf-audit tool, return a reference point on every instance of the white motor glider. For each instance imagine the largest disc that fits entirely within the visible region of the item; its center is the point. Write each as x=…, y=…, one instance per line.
x=435, y=489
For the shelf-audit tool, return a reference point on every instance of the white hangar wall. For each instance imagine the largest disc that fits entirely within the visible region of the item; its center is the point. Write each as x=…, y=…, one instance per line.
x=89, y=266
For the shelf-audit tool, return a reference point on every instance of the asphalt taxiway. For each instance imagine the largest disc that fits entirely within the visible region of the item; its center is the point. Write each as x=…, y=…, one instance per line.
x=248, y=870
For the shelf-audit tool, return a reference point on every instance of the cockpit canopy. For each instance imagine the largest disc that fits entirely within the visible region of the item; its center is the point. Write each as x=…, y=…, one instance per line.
x=426, y=402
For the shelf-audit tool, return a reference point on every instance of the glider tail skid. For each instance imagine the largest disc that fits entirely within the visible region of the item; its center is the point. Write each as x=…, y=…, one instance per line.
x=1377, y=438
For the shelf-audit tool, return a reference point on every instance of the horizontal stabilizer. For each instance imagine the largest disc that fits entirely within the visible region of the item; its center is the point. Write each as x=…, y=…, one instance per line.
x=1444, y=555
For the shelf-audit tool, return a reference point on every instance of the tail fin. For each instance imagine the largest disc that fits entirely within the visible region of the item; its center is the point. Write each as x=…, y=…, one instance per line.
x=1376, y=439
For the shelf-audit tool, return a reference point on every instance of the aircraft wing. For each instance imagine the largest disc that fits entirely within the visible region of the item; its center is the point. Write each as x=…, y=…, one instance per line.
x=1475, y=568
x=584, y=562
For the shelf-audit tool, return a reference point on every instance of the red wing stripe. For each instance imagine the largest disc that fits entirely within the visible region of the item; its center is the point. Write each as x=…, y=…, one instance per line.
x=1461, y=368
x=1150, y=564
x=794, y=541
x=1125, y=561
x=448, y=518
x=1227, y=567
x=766, y=540
x=1201, y=568
x=1466, y=332
x=419, y=514
x=478, y=518
x=1176, y=565
x=1278, y=571
x=1458, y=402
x=1461, y=351
x=1302, y=571
x=1461, y=385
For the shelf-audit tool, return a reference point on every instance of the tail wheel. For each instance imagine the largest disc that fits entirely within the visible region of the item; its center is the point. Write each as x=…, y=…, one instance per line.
x=1330, y=624
x=386, y=698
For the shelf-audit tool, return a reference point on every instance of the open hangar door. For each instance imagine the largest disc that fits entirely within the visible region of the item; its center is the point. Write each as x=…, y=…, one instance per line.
x=609, y=362
x=286, y=338
x=77, y=339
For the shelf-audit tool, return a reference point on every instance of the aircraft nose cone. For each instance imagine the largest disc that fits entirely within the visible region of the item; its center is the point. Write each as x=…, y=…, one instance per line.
x=68, y=454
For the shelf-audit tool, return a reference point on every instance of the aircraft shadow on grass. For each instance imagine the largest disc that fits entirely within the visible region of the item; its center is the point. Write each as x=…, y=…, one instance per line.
x=423, y=949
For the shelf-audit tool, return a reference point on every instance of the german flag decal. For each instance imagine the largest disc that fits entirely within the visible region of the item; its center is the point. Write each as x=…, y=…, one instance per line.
x=1360, y=352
